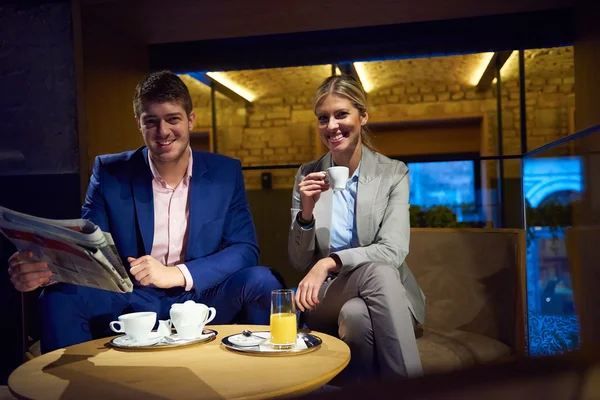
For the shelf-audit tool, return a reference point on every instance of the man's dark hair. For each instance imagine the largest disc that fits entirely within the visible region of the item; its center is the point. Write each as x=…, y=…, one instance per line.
x=161, y=87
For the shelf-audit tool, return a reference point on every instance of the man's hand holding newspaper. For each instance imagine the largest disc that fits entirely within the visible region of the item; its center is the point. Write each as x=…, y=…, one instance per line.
x=73, y=251
x=25, y=273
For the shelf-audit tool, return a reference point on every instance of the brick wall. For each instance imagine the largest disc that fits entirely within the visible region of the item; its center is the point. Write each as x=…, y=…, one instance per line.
x=548, y=103
x=280, y=128
x=272, y=131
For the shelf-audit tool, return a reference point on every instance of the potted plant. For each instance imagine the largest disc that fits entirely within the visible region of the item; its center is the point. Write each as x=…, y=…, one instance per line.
x=553, y=215
x=441, y=216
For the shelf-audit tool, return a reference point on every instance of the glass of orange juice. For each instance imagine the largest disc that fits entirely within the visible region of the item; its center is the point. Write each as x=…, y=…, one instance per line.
x=283, y=319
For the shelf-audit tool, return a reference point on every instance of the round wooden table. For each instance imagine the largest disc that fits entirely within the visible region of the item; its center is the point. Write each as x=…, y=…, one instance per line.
x=93, y=370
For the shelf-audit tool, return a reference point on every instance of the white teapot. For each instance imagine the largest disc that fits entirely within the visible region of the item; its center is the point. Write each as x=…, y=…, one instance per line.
x=190, y=317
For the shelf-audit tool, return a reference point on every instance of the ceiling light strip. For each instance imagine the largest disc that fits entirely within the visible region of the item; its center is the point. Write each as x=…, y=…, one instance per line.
x=478, y=72
x=229, y=84
x=363, y=76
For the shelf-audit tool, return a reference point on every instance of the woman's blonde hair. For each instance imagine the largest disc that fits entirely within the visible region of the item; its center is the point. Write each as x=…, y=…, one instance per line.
x=346, y=86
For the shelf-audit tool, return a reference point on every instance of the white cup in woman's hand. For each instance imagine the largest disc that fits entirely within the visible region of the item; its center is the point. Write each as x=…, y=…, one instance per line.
x=337, y=177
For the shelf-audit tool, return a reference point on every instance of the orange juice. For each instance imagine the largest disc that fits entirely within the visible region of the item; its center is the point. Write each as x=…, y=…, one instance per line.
x=283, y=328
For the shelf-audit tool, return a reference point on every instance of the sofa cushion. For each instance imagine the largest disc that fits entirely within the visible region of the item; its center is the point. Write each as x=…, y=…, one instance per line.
x=450, y=350
x=469, y=278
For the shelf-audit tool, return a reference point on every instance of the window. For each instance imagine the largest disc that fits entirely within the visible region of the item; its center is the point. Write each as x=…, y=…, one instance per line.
x=446, y=180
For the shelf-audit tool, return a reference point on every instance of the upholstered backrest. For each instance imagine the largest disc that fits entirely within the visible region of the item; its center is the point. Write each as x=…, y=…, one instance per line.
x=474, y=280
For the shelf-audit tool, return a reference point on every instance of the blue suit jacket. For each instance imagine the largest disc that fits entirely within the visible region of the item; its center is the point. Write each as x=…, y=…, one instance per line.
x=221, y=234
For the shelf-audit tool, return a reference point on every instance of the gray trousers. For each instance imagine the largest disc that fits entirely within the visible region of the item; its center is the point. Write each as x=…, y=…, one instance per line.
x=368, y=310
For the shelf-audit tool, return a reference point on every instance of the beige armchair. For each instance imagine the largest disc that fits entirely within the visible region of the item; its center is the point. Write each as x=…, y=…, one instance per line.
x=474, y=281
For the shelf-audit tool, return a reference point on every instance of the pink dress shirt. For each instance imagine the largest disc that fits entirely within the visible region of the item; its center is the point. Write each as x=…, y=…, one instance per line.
x=171, y=212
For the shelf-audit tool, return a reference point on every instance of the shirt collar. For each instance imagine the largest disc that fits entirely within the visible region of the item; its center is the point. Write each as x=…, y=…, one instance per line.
x=188, y=173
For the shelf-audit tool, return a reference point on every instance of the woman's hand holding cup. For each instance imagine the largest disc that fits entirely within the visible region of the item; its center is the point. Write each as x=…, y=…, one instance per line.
x=311, y=187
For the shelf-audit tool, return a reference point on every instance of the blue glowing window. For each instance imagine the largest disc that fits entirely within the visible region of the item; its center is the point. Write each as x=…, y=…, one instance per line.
x=447, y=183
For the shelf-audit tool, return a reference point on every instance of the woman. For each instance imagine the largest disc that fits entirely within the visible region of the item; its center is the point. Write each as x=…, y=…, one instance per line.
x=355, y=241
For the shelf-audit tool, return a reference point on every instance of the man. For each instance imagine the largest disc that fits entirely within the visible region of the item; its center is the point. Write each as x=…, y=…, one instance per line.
x=179, y=219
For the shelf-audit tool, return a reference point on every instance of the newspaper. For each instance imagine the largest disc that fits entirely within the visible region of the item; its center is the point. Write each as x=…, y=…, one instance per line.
x=76, y=250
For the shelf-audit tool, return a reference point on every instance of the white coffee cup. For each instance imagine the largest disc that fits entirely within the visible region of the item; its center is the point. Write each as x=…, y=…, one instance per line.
x=190, y=317
x=136, y=325
x=337, y=177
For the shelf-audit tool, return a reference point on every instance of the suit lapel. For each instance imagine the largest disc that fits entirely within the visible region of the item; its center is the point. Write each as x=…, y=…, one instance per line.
x=323, y=210
x=368, y=185
x=199, y=210
x=144, y=200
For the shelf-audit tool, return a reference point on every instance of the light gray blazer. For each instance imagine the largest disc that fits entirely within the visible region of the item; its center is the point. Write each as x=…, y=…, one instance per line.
x=382, y=220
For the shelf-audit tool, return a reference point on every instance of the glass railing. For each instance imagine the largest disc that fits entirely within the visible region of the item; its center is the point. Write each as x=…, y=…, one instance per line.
x=457, y=193
x=560, y=186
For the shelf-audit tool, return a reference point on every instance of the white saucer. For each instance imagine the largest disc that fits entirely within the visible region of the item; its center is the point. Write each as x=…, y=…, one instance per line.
x=126, y=341
x=157, y=341
x=305, y=343
x=245, y=341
